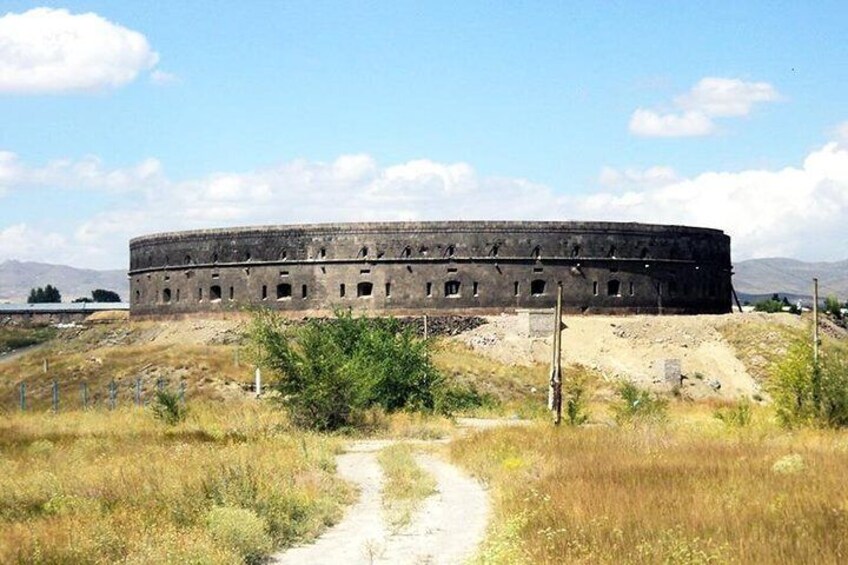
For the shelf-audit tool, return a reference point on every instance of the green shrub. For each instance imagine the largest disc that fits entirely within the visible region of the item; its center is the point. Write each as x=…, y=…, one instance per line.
x=168, y=407
x=241, y=531
x=329, y=371
x=806, y=394
x=772, y=305
x=737, y=415
x=574, y=400
x=833, y=307
x=636, y=404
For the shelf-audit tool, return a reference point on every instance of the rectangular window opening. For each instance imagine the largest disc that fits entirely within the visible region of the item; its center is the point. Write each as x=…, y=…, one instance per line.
x=631, y=289
x=304, y=292
x=388, y=289
x=515, y=288
x=264, y=292
x=595, y=288
x=231, y=293
x=341, y=290
x=429, y=289
x=476, y=288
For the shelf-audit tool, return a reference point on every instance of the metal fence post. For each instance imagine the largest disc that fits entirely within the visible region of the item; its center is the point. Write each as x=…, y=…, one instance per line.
x=55, y=396
x=23, y=396
x=258, y=385
x=113, y=394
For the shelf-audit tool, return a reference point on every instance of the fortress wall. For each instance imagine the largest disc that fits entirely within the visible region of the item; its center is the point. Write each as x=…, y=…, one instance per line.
x=509, y=265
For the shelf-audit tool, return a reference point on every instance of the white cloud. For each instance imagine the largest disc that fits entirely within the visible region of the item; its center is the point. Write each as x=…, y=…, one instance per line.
x=48, y=50
x=651, y=176
x=723, y=97
x=163, y=78
x=841, y=132
x=695, y=111
x=794, y=211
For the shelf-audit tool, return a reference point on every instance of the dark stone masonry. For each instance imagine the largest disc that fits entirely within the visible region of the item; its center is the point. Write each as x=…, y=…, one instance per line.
x=433, y=267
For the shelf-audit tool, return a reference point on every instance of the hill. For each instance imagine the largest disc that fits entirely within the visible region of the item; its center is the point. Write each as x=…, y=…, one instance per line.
x=18, y=277
x=790, y=277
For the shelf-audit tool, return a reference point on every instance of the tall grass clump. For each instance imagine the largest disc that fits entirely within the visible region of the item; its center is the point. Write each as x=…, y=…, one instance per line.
x=168, y=407
x=229, y=484
x=638, y=405
x=806, y=393
x=329, y=373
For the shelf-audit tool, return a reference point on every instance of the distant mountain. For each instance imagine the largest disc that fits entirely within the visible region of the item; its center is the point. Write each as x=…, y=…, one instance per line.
x=790, y=277
x=18, y=277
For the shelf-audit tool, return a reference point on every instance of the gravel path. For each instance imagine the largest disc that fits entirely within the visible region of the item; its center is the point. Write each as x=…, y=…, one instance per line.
x=447, y=528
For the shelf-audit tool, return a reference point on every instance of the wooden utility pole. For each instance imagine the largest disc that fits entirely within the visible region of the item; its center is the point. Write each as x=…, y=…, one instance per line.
x=555, y=387
x=815, y=322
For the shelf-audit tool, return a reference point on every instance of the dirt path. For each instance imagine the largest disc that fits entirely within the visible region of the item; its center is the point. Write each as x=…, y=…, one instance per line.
x=447, y=528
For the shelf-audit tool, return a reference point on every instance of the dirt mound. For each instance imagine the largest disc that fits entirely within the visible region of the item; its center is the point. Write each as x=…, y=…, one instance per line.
x=635, y=348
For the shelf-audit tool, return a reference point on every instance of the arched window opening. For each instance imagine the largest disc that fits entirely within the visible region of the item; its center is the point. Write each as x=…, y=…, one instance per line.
x=248, y=256
x=284, y=255
x=614, y=288
x=423, y=250
x=537, y=252
x=611, y=252
x=364, y=289
x=452, y=288
x=406, y=253
x=166, y=295
x=450, y=250
x=215, y=293
x=188, y=259
x=537, y=287
x=284, y=290
x=495, y=250
x=214, y=258
x=575, y=251
x=645, y=253
x=341, y=290
x=137, y=296
x=363, y=252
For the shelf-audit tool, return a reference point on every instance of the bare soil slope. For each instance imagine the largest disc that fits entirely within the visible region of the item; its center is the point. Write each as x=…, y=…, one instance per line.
x=636, y=347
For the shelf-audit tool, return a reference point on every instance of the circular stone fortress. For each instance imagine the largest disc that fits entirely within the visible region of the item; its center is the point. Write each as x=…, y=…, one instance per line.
x=433, y=267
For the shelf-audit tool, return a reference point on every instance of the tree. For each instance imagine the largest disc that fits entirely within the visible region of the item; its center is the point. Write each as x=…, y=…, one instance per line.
x=832, y=307
x=47, y=294
x=101, y=295
x=329, y=373
x=82, y=299
x=772, y=305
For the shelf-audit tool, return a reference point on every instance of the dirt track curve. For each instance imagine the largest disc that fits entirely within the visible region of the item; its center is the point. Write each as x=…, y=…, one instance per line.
x=447, y=528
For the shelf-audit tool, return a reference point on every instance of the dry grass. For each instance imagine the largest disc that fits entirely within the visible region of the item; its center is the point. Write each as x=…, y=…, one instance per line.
x=697, y=492
x=102, y=487
x=758, y=344
x=12, y=338
x=406, y=484
x=123, y=352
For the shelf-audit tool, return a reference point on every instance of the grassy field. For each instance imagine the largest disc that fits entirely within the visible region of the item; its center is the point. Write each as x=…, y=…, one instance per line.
x=16, y=338
x=691, y=491
x=228, y=485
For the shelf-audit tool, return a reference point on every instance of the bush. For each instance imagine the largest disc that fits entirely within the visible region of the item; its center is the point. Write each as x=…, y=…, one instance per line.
x=167, y=407
x=574, y=400
x=737, y=415
x=241, y=531
x=772, y=305
x=832, y=307
x=636, y=404
x=327, y=372
x=806, y=394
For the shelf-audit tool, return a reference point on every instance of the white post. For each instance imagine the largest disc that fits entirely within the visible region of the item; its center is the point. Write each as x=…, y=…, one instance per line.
x=258, y=382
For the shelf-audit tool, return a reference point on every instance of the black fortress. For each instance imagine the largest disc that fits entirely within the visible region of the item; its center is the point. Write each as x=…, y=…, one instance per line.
x=407, y=268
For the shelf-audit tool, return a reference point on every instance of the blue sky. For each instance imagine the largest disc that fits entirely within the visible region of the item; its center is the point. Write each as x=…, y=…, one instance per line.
x=731, y=115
